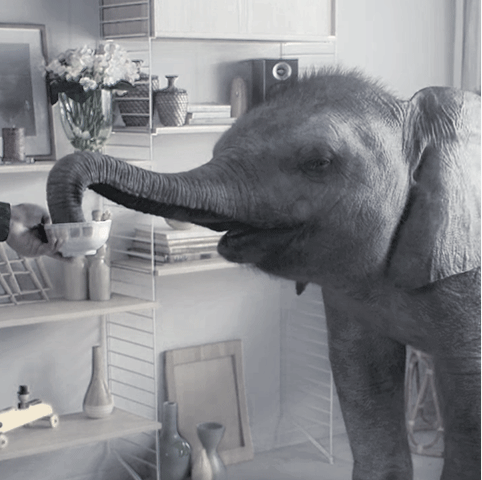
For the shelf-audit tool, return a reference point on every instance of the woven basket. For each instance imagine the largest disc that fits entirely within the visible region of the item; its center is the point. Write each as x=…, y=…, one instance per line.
x=134, y=106
x=171, y=104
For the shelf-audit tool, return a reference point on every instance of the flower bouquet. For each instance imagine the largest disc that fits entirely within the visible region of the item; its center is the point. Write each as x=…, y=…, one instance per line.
x=82, y=80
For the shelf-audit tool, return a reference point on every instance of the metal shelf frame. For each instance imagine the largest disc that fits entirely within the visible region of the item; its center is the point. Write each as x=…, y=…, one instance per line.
x=130, y=338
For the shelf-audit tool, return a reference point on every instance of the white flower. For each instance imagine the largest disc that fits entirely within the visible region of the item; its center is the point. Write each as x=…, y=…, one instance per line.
x=88, y=83
x=104, y=67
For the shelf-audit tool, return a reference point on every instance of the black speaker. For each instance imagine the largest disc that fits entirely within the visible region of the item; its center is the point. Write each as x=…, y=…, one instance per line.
x=271, y=76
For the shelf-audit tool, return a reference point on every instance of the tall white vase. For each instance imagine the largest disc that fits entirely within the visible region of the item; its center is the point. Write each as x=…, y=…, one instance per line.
x=98, y=401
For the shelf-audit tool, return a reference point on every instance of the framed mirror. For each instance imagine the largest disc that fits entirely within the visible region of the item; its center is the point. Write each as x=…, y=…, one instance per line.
x=23, y=89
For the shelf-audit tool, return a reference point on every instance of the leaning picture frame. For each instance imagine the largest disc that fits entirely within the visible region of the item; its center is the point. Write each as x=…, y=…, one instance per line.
x=24, y=99
x=207, y=383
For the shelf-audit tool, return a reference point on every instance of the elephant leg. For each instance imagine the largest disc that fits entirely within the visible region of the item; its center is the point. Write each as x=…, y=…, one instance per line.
x=458, y=385
x=369, y=371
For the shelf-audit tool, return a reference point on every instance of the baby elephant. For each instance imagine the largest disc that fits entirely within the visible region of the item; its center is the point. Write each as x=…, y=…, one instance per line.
x=336, y=182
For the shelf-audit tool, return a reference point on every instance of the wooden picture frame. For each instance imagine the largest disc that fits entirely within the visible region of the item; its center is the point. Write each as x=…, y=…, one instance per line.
x=207, y=383
x=24, y=100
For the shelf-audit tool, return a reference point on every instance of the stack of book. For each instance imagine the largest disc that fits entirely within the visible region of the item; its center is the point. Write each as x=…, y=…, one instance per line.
x=172, y=246
x=209, y=114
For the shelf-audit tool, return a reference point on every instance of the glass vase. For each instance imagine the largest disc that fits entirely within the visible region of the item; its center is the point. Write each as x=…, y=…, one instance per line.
x=87, y=124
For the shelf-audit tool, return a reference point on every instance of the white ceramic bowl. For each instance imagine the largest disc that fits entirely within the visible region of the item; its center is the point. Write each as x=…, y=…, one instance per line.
x=77, y=239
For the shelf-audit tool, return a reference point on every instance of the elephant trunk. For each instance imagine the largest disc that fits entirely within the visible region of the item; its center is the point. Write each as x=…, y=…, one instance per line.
x=193, y=196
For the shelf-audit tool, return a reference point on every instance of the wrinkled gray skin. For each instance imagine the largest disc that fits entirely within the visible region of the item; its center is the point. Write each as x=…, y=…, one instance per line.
x=376, y=200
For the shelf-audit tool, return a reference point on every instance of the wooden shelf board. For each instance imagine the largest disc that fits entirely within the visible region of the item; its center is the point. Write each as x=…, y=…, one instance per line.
x=40, y=166
x=55, y=310
x=144, y=266
x=73, y=430
x=192, y=129
x=186, y=129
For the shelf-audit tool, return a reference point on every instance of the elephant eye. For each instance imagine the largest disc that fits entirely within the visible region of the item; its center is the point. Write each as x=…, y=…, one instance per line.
x=315, y=166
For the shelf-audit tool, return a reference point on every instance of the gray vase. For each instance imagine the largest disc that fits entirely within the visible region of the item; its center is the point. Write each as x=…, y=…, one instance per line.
x=174, y=451
x=98, y=401
x=208, y=464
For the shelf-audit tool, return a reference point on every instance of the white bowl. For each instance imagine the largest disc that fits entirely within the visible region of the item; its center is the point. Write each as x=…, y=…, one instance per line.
x=77, y=239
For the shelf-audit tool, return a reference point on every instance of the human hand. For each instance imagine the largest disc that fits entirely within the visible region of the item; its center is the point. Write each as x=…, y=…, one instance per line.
x=26, y=236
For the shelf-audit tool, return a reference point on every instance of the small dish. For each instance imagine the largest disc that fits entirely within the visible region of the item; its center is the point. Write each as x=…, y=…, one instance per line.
x=77, y=239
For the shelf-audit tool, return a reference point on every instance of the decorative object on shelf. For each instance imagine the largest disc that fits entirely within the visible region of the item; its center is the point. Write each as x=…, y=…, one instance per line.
x=83, y=238
x=76, y=280
x=171, y=103
x=134, y=104
x=99, y=267
x=193, y=377
x=13, y=145
x=209, y=114
x=22, y=280
x=424, y=418
x=83, y=80
x=25, y=102
x=99, y=276
x=238, y=97
x=174, y=451
x=26, y=412
x=207, y=464
x=98, y=401
x=271, y=76
x=174, y=246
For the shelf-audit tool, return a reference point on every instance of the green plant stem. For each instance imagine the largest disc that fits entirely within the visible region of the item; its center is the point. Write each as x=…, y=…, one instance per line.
x=85, y=123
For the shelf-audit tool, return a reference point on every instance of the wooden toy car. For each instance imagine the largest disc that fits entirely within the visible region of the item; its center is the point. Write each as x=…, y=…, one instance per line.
x=26, y=413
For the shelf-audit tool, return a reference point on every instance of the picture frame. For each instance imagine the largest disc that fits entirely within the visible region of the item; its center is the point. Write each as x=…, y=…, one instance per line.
x=24, y=101
x=207, y=383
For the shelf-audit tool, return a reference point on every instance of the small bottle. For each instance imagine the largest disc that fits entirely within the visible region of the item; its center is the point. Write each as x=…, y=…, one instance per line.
x=99, y=276
x=76, y=278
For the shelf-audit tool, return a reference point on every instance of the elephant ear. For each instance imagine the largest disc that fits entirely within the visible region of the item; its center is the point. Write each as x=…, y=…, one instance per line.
x=439, y=233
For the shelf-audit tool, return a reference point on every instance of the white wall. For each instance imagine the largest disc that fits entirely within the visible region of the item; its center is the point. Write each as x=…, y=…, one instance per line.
x=405, y=43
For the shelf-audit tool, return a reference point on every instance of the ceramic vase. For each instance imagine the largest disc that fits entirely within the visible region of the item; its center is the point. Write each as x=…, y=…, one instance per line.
x=207, y=463
x=171, y=104
x=98, y=401
x=87, y=124
x=76, y=282
x=99, y=276
x=174, y=451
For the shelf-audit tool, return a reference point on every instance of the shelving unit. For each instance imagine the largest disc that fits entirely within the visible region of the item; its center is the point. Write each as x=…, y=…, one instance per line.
x=133, y=31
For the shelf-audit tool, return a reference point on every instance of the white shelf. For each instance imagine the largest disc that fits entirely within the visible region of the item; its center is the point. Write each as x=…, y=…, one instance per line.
x=144, y=266
x=45, y=166
x=185, y=129
x=40, y=166
x=74, y=430
x=192, y=129
x=56, y=310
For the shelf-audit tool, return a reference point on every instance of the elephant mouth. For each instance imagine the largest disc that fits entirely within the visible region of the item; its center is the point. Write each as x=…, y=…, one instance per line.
x=242, y=242
x=247, y=244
